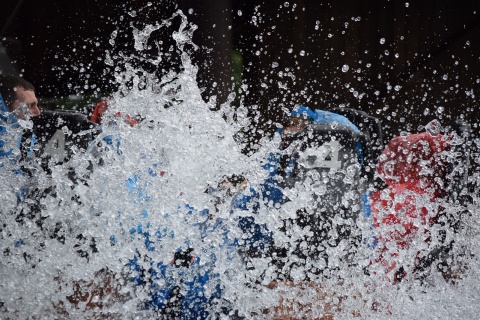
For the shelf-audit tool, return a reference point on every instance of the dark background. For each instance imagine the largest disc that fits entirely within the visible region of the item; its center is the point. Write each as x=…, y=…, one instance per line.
x=408, y=61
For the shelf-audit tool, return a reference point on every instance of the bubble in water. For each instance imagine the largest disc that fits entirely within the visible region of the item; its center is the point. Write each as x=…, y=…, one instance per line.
x=434, y=127
x=302, y=53
x=239, y=13
x=382, y=40
x=345, y=68
x=407, y=4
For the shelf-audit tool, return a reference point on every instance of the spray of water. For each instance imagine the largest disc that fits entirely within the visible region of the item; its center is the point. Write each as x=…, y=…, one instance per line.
x=144, y=192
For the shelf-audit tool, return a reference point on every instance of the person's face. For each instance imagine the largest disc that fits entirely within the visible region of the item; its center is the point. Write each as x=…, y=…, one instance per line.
x=295, y=124
x=26, y=104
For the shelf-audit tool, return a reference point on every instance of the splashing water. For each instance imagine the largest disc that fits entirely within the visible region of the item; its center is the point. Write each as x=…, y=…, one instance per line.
x=75, y=247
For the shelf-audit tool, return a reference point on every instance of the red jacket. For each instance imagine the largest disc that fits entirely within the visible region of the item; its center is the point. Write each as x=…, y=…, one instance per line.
x=414, y=169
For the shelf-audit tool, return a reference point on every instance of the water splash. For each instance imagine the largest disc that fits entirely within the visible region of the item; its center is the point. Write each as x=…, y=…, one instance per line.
x=73, y=236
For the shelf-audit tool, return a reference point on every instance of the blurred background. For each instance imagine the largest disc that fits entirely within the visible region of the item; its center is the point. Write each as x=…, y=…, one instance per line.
x=405, y=62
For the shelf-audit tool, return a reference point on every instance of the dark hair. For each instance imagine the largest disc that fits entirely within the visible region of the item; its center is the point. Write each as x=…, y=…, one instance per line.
x=8, y=85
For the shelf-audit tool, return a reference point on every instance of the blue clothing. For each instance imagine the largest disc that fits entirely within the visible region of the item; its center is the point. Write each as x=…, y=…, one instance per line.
x=9, y=157
x=258, y=236
x=160, y=276
x=187, y=270
x=8, y=122
x=322, y=116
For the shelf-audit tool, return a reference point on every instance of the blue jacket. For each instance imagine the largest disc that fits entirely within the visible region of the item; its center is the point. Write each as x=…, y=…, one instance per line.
x=160, y=276
x=258, y=236
x=9, y=122
x=323, y=116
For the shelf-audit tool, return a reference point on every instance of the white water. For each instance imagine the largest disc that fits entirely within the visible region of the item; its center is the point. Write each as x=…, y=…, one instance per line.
x=194, y=148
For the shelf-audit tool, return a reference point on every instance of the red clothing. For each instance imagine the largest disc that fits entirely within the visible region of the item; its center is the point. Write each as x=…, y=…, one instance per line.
x=411, y=158
x=99, y=110
x=101, y=107
x=414, y=168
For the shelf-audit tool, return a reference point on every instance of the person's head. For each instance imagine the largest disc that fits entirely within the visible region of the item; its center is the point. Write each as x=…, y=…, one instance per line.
x=295, y=124
x=19, y=96
x=299, y=118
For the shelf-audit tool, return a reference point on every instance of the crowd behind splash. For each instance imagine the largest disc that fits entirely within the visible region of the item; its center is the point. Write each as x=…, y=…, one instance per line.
x=147, y=207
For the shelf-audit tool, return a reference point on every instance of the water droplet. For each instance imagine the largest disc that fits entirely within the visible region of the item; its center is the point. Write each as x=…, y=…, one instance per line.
x=286, y=4
x=345, y=68
x=433, y=127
